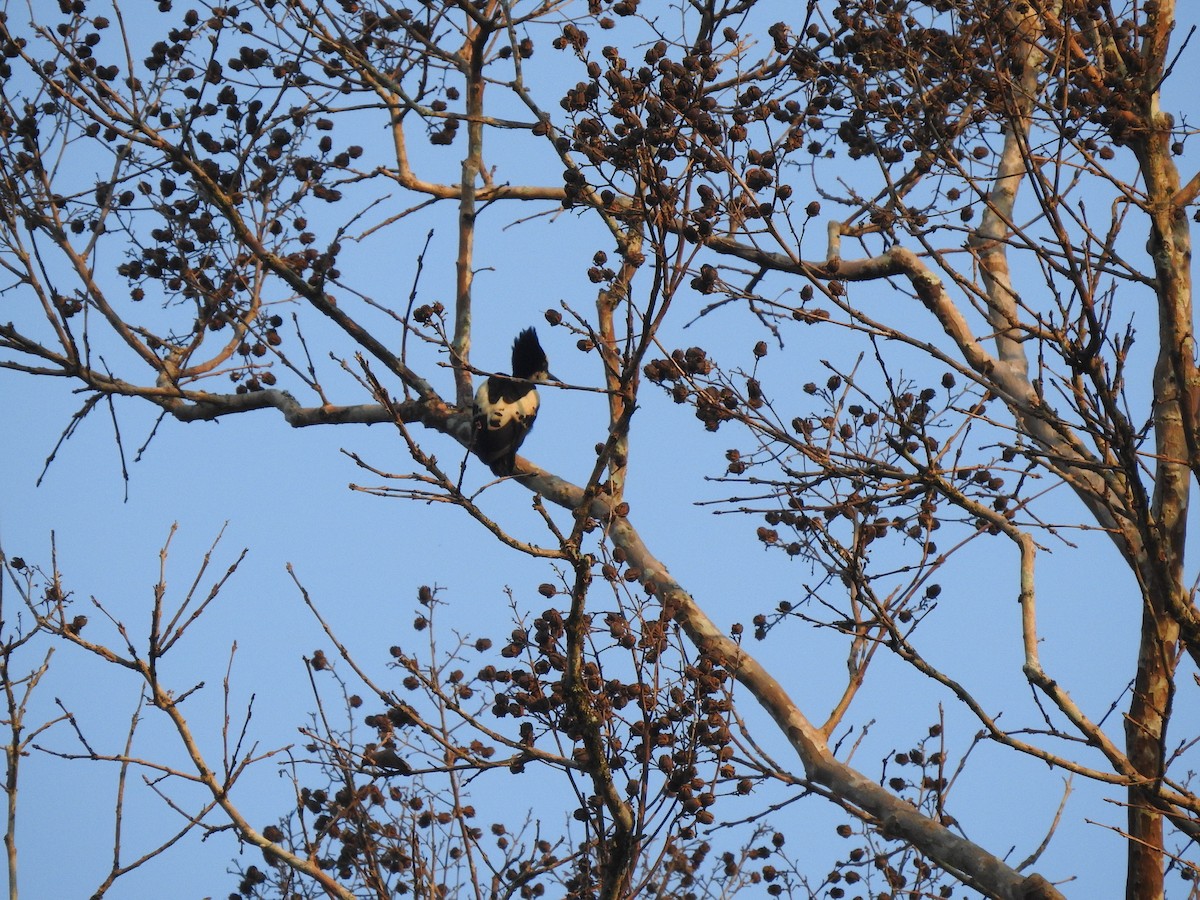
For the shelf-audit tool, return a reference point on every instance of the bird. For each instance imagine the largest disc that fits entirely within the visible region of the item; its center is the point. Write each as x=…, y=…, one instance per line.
x=506, y=405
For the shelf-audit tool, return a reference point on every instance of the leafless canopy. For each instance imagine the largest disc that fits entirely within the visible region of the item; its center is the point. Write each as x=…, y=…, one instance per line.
x=945, y=215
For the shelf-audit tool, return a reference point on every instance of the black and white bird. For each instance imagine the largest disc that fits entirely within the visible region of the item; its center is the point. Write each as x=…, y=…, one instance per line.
x=505, y=406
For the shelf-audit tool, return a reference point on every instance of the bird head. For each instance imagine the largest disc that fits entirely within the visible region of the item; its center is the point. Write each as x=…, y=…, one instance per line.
x=529, y=359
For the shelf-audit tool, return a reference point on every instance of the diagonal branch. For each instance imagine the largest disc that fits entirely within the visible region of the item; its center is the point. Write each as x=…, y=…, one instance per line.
x=976, y=866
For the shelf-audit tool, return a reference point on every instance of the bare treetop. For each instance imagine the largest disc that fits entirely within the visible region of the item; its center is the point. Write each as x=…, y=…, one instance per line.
x=964, y=226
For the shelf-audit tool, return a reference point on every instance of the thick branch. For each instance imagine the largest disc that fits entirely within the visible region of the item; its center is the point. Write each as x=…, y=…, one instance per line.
x=897, y=818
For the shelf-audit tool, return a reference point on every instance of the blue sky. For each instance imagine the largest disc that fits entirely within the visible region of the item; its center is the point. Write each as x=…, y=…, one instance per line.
x=283, y=494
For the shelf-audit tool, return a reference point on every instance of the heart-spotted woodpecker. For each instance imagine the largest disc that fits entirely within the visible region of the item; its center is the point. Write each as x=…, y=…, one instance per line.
x=505, y=406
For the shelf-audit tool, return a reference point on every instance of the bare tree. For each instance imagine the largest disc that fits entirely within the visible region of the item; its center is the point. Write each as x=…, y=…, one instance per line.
x=968, y=202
